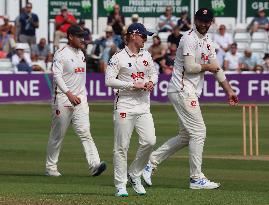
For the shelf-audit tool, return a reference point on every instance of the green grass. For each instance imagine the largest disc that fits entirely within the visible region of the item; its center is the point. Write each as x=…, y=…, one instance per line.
x=24, y=133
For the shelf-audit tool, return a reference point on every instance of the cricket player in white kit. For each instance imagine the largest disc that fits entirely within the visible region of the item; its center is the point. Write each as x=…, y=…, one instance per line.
x=132, y=72
x=195, y=55
x=69, y=104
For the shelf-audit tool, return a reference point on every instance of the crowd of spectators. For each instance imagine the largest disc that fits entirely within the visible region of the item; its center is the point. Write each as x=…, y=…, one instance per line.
x=18, y=41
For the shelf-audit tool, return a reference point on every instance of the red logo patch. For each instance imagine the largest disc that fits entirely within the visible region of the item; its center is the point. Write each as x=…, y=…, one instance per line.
x=146, y=63
x=204, y=57
x=193, y=103
x=58, y=112
x=138, y=75
x=79, y=70
x=123, y=114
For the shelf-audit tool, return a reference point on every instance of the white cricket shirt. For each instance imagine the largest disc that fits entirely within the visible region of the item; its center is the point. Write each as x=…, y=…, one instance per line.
x=201, y=47
x=125, y=68
x=69, y=74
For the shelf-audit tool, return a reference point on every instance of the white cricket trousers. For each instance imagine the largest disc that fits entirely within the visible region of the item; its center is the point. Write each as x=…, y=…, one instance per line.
x=192, y=133
x=124, y=123
x=61, y=118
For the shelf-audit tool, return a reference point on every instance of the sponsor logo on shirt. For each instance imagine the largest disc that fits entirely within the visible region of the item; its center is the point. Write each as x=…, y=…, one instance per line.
x=79, y=70
x=123, y=114
x=138, y=75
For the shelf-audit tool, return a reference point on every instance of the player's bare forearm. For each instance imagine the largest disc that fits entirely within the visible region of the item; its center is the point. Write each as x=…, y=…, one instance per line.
x=232, y=97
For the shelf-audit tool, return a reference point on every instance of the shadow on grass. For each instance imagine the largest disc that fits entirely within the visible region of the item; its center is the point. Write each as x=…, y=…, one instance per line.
x=77, y=193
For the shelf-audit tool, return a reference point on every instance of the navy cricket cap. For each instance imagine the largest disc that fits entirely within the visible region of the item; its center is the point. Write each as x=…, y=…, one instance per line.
x=138, y=28
x=75, y=30
x=204, y=14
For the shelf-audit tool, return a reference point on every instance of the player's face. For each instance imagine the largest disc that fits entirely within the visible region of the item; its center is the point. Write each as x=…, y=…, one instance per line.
x=202, y=26
x=77, y=41
x=140, y=40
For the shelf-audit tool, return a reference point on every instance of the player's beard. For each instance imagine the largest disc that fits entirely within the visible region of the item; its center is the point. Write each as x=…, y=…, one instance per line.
x=203, y=30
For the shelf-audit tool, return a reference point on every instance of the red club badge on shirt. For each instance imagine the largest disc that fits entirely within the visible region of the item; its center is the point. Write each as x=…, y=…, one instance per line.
x=123, y=114
x=146, y=63
x=193, y=103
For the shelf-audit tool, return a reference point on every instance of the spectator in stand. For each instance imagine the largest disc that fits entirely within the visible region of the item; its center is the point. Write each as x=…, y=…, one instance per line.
x=174, y=37
x=265, y=64
x=167, y=64
x=249, y=62
x=167, y=21
x=7, y=27
x=29, y=23
x=88, y=35
x=109, y=43
x=18, y=25
x=184, y=21
x=21, y=60
x=224, y=42
x=41, y=51
x=62, y=22
x=157, y=51
x=259, y=22
x=231, y=59
x=135, y=18
x=7, y=44
x=116, y=20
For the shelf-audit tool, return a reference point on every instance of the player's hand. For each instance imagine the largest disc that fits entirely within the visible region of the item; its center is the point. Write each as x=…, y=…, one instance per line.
x=75, y=100
x=149, y=86
x=139, y=85
x=233, y=99
x=213, y=68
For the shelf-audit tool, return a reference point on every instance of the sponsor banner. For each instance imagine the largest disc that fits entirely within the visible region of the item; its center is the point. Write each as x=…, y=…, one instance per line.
x=144, y=8
x=253, y=6
x=221, y=8
x=37, y=87
x=81, y=9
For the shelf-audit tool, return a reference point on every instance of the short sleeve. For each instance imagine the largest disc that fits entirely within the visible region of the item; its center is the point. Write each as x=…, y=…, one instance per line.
x=189, y=46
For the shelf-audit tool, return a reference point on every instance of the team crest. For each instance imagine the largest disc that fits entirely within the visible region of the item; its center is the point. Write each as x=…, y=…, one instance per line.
x=146, y=63
x=123, y=114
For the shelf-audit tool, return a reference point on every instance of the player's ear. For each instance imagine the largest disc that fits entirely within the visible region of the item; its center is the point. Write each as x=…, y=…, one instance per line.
x=70, y=37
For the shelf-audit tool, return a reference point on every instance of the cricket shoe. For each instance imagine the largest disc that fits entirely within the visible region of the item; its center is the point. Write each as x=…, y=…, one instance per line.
x=147, y=173
x=121, y=191
x=99, y=169
x=136, y=184
x=203, y=183
x=52, y=173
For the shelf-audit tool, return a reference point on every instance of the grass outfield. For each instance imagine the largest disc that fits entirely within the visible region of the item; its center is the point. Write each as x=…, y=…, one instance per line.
x=24, y=134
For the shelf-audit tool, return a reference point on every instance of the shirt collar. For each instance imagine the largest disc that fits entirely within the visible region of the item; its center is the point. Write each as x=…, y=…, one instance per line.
x=131, y=54
x=76, y=50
